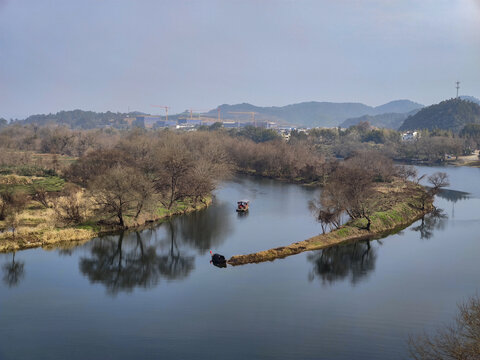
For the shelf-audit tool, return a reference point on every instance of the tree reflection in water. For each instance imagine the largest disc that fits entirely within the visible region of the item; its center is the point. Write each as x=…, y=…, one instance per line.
x=207, y=229
x=122, y=263
x=434, y=220
x=453, y=196
x=13, y=272
x=174, y=265
x=354, y=261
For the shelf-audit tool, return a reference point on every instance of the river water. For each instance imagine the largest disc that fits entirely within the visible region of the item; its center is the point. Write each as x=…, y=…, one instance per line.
x=154, y=294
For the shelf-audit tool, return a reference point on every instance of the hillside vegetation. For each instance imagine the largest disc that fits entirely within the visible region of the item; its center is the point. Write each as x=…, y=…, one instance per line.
x=79, y=119
x=451, y=115
x=387, y=121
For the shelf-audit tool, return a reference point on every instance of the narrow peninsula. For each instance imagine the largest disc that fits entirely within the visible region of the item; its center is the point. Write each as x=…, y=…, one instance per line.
x=398, y=204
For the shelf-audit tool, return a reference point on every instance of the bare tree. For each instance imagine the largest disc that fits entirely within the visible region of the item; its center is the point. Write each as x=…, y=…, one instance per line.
x=40, y=195
x=460, y=341
x=407, y=172
x=72, y=207
x=174, y=172
x=11, y=204
x=122, y=191
x=352, y=190
x=438, y=181
x=327, y=210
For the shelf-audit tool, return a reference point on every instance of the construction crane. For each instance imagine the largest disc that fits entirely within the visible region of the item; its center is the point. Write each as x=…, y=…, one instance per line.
x=166, y=110
x=252, y=113
x=197, y=112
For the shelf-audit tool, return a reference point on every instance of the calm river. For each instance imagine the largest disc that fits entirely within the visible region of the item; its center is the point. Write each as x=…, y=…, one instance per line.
x=154, y=294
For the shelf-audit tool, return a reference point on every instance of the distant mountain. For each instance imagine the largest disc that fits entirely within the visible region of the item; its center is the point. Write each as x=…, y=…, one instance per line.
x=307, y=114
x=451, y=114
x=398, y=106
x=470, y=98
x=388, y=120
x=312, y=114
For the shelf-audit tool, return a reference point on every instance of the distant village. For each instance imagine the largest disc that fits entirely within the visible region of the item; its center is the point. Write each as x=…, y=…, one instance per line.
x=193, y=123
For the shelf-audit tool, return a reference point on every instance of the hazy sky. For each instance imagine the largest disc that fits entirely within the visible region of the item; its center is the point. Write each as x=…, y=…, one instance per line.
x=112, y=54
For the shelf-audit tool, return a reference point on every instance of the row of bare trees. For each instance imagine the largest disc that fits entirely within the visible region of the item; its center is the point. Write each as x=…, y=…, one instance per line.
x=428, y=147
x=56, y=139
x=143, y=170
x=127, y=172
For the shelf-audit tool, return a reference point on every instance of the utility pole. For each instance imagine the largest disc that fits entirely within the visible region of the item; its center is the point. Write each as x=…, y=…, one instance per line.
x=458, y=86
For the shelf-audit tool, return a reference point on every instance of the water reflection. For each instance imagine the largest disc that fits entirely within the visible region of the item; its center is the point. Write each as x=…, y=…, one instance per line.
x=354, y=261
x=205, y=230
x=453, y=195
x=434, y=220
x=242, y=214
x=122, y=263
x=174, y=265
x=13, y=272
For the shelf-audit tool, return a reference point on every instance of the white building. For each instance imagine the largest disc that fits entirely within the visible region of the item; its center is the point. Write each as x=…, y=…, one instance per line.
x=410, y=135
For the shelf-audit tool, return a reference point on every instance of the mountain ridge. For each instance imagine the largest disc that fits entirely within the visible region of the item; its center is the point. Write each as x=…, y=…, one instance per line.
x=313, y=113
x=386, y=120
x=304, y=114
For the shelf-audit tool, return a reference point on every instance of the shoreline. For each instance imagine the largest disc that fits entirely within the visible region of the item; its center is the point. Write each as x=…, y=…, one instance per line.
x=398, y=217
x=56, y=237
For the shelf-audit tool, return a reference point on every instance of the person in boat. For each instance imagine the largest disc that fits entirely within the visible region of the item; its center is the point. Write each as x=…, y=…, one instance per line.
x=242, y=205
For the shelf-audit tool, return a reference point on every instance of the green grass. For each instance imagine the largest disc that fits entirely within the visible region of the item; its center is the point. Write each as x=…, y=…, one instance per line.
x=50, y=183
x=343, y=231
x=89, y=226
x=25, y=170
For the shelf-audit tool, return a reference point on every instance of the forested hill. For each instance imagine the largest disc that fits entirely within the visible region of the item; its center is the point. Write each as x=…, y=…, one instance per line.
x=314, y=114
x=79, y=119
x=388, y=120
x=451, y=114
x=470, y=98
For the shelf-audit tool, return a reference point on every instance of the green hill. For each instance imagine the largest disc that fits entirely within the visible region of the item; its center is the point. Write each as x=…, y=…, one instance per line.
x=451, y=114
x=80, y=119
x=388, y=120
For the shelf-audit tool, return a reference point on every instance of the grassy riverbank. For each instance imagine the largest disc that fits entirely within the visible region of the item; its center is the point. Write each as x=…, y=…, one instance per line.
x=399, y=204
x=37, y=226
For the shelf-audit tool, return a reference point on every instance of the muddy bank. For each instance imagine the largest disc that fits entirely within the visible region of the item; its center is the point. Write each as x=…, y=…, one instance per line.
x=404, y=206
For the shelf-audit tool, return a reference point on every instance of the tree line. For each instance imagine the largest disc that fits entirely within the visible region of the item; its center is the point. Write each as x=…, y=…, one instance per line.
x=125, y=175
x=429, y=146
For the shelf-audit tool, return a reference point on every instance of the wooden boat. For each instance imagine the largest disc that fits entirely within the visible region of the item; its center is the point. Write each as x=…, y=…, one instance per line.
x=242, y=205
